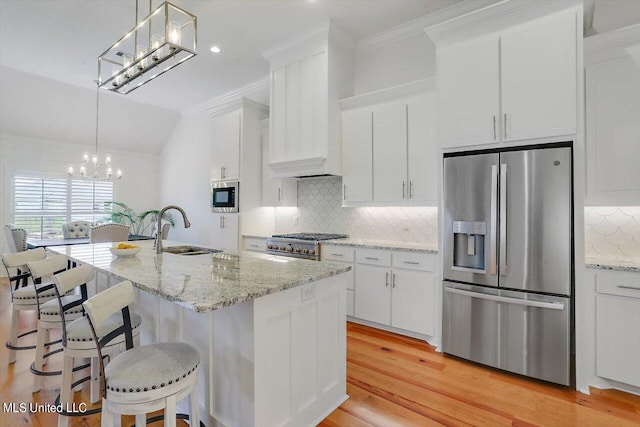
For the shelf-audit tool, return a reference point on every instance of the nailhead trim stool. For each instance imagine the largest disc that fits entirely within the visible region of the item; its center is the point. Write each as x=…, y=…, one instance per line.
x=23, y=294
x=78, y=342
x=146, y=378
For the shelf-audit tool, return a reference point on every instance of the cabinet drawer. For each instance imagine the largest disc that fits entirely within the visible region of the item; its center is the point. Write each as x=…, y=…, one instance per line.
x=254, y=244
x=414, y=261
x=337, y=253
x=618, y=283
x=373, y=257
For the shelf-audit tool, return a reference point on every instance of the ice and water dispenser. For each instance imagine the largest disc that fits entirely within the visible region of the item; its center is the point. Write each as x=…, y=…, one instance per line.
x=468, y=246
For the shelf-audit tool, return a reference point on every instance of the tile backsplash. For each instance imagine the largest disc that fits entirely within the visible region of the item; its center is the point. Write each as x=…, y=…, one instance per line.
x=320, y=210
x=612, y=232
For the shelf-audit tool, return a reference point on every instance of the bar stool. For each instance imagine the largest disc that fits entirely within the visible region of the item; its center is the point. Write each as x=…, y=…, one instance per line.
x=146, y=378
x=23, y=294
x=78, y=342
x=51, y=315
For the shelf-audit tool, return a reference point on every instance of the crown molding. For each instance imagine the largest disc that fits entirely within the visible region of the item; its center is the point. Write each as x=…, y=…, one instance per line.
x=388, y=94
x=242, y=103
x=416, y=27
x=325, y=31
x=222, y=102
x=495, y=17
x=623, y=37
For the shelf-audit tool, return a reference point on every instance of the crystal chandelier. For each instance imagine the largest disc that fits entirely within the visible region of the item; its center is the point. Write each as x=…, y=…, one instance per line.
x=92, y=167
x=163, y=40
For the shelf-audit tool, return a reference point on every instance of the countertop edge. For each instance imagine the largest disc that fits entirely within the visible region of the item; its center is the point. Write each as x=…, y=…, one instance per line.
x=613, y=267
x=398, y=246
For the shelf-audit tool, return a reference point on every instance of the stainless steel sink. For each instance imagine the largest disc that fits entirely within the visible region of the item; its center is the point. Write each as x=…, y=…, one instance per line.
x=189, y=250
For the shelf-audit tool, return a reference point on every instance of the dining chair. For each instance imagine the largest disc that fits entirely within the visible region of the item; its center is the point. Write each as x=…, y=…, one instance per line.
x=16, y=238
x=78, y=343
x=145, y=378
x=109, y=233
x=24, y=295
x=76, y=229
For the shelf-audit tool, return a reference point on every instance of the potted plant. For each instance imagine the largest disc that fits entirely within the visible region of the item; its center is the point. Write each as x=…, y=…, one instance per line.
x=138, y=223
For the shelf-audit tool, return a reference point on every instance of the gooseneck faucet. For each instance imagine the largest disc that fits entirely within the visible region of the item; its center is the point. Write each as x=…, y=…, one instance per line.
x=187, y=224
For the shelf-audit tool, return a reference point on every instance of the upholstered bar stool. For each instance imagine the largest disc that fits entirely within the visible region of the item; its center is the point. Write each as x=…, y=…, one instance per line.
x=109, y=233
x=146, y=378
x=50, y=314
x=16, y=238
x=23, y=294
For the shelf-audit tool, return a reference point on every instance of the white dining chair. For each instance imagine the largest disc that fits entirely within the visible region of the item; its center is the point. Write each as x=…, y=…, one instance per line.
x=109, y=233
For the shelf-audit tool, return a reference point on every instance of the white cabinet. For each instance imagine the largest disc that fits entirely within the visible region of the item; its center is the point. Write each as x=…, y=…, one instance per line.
x=389, y=148
x=515, y=85
x=357, y=155
x=226, y=129
x=225, y=232
x=275, y=191
x=396, y=289
x=254, y=244
x=612, y=118
x=342, y=255
x=617, y=326
x=309, y=74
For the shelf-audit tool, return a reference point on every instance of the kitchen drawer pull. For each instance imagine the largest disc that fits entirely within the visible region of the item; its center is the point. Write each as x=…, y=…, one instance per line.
x=337, y=254
x=528, y=303
x=372, y=258
x=386, y=280
x=254, y=246
x=411, y=262
x=635, y=288
x=393, y=279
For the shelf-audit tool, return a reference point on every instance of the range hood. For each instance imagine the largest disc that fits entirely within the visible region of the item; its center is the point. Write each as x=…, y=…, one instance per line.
x=310, y=73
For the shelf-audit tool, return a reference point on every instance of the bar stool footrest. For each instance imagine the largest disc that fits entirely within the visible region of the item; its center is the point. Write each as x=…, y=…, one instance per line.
x=24, y=347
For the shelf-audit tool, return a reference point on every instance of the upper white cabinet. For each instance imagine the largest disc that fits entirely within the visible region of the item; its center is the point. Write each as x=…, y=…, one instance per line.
x=389, y=147
x=612, y=63
x=225, y=163
x=357, y=155
x=309, y=74
x=275, y=191
x=519, y=83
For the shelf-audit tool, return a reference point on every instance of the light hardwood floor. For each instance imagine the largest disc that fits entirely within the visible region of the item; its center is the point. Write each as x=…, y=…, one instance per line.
x=392, y=381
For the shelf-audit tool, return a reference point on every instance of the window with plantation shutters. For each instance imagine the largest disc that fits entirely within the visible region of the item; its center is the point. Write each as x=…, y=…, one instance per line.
x=42, y=205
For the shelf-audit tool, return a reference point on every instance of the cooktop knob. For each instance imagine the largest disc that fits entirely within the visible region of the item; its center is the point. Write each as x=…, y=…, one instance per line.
x=296, y=250
x=312, y=251
x=290, y=249
x=306, y=251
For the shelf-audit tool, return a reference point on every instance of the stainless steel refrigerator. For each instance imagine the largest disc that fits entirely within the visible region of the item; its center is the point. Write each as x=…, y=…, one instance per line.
x=508, y=259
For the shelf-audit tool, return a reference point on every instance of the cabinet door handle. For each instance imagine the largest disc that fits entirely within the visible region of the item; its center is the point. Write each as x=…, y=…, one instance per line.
x=337, y=254
x=254, y=246
x=220, y=222
x=635, y=288
x=505, y=125
x=404, y=185
x=411, y=189
x=344, y=191
x=372, y=258
x=222, y=172
x=494, y=127
x=386, y=280
x=393, y=279
x=279, y=192
x=411, y=262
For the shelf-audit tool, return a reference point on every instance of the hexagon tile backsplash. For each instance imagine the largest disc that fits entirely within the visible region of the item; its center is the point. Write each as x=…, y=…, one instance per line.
x=612, y=232
x=320, y=210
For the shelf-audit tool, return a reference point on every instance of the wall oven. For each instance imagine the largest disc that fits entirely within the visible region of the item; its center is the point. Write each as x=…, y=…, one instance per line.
x=225, y=196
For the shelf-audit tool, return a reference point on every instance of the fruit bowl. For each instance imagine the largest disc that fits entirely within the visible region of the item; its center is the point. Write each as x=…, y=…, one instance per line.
x=124, y=249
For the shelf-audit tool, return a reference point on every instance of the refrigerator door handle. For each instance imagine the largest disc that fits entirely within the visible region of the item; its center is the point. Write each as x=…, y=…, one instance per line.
x=493, y=263
x=517, y=301
x=503, y=219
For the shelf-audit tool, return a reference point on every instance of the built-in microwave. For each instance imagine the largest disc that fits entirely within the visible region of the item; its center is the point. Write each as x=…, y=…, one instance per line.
x=224, y=196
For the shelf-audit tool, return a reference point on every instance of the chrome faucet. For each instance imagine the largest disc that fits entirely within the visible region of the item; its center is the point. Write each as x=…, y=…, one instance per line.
x=187, y=224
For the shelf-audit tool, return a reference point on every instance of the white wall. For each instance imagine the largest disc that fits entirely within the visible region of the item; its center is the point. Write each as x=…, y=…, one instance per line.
x=393, y=64
x=138, y=188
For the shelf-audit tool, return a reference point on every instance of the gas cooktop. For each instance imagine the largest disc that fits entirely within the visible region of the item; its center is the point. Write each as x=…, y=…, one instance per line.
x=311, y=236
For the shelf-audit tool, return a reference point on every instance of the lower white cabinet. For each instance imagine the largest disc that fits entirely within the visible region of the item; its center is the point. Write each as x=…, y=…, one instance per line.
x=342, y=255
x=224, y=234
x=255, y=244
x=395, y=289
x=618, y=326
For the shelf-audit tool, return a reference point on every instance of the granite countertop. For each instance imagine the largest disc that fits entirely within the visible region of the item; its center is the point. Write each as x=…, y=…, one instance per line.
x=384, y=244
x=613, y=263
x=202, y=282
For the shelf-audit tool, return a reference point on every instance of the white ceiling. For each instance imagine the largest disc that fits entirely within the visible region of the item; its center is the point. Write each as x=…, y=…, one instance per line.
x=61, y=39
x=49, y=51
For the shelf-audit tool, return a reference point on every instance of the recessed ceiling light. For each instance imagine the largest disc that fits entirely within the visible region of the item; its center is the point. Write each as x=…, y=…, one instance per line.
x=215, y=49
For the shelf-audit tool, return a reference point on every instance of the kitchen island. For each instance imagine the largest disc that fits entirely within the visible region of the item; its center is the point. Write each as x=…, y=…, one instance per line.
x=271, y=330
